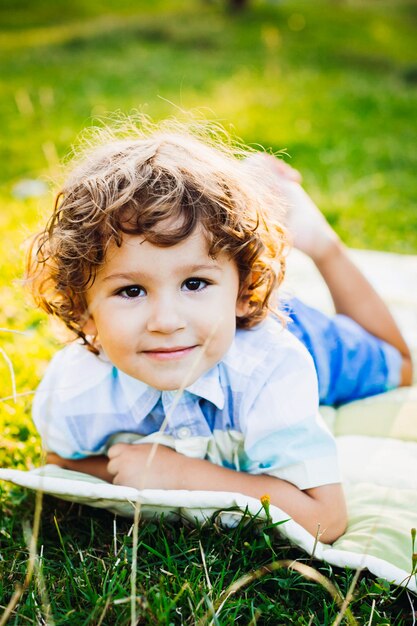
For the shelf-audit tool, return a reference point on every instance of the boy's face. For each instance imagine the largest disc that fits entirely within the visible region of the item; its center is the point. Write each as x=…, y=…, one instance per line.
x=164, y=315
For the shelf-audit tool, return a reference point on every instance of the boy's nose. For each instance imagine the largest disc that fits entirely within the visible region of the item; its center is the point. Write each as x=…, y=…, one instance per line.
x=165, y=317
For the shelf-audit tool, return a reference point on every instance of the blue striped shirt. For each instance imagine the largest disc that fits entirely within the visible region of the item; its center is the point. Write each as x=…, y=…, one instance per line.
x=255, y=411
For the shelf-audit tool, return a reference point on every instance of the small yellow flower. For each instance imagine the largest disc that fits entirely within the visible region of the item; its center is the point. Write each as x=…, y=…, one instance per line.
x=266, y=500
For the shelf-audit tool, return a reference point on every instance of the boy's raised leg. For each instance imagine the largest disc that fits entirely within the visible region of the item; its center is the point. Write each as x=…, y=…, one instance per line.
x=352, y=293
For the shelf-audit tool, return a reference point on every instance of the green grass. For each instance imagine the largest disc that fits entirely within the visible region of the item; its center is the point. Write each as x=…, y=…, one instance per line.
x=333, y=83
x=183, y=572
x=330, y=82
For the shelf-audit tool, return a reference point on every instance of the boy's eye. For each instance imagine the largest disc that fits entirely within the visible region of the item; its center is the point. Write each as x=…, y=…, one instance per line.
x=133, y=291
x=194, y=284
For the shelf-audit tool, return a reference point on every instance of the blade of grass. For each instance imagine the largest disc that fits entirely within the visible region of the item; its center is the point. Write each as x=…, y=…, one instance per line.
x=305, y=570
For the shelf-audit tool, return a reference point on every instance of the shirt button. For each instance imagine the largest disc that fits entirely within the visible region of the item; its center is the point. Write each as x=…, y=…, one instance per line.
x=184, y=432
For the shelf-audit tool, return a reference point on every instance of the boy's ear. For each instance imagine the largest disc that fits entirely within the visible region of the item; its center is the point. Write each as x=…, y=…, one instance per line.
x=242, y=307
x=242, y=304
x=89, y=327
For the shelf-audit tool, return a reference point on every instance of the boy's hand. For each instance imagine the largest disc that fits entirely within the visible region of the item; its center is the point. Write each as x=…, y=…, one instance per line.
x=137, y=465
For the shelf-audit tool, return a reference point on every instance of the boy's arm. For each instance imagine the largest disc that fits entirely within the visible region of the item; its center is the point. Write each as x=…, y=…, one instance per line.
x=142, y=467
x=94, y=465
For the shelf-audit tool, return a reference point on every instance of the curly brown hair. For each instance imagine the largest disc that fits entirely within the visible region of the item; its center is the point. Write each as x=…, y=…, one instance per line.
x=130, y=183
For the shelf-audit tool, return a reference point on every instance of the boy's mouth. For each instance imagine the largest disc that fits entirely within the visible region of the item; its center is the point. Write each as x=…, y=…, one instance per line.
x=165, y=354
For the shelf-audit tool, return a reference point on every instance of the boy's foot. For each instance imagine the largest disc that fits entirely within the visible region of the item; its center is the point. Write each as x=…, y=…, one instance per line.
x=310, y=231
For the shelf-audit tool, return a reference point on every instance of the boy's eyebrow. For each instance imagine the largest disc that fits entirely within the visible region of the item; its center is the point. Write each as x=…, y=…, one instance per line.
x=187, y=269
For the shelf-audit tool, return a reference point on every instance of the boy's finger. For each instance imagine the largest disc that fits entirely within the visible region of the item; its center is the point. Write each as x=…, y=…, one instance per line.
x=115, y=450
x=110, y=468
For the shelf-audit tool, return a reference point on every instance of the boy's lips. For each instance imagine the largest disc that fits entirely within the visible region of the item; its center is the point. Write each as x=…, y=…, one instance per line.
x=165, y=354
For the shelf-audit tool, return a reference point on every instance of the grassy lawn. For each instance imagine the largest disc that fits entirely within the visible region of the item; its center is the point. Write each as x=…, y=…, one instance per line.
x=331, y=82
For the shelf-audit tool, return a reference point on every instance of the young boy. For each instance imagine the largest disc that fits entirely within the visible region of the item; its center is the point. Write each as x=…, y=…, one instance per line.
x=162, y=255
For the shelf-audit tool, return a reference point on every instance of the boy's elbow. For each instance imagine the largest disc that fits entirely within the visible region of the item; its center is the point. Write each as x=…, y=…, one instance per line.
x=330, y=513
x=334, y=522
x=334, y=528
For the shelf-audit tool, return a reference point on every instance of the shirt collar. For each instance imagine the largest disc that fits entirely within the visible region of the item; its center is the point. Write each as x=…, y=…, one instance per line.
x=139, y=397
x=209, y=387
x=142, y=398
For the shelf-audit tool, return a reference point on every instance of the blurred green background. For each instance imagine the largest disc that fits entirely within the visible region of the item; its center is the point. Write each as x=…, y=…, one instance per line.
x=333, y=82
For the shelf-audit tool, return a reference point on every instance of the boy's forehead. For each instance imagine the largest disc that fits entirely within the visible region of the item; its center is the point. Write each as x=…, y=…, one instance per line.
x=198, y=238
x=194, y=247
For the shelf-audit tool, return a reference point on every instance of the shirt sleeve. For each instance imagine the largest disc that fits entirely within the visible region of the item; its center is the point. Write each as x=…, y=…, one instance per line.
x=69, y=375
x=284, y=434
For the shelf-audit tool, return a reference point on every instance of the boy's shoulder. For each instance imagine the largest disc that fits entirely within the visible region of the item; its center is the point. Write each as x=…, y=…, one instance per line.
x=264, y=348
x=75, y=370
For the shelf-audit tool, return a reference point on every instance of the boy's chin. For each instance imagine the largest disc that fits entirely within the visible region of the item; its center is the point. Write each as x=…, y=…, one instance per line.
x=178, y=380
x=173, y=385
